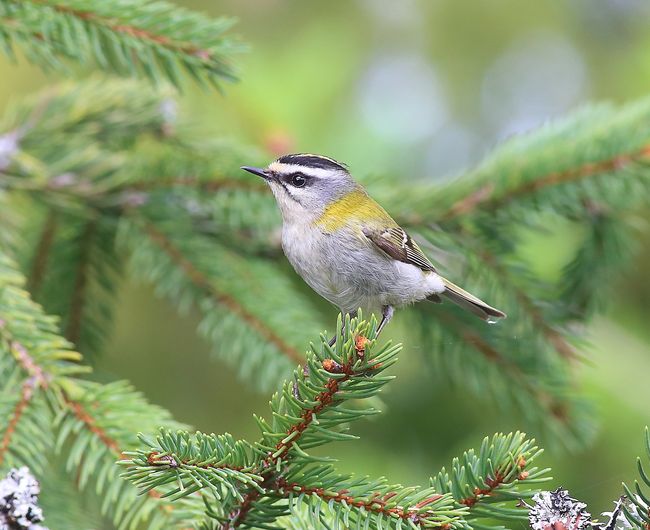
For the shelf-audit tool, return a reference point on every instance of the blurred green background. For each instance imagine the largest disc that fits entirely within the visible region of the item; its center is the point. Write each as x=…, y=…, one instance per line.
x=420, y=90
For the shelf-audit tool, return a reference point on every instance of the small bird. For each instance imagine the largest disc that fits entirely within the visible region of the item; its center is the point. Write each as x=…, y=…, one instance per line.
x=346, y=246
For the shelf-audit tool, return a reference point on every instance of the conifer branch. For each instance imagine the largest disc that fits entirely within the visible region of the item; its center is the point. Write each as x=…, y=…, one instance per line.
x=554, y=337
x=146, y=37
x=637, y=507
x=26, y=394
x=485, y=198
x=501, y=478
x=24, y=359
x=89, y=422
x=29, y=338
x=291, y=436
x=131, y=30
x=422, y=514
x=520, y=379
x=607, y=247
x=590, y=169
x=284, y=478
x=203, y=283
x=487, y=480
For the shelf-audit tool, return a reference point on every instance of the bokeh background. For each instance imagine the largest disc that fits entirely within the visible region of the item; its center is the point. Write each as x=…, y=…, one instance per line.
x=421, y=90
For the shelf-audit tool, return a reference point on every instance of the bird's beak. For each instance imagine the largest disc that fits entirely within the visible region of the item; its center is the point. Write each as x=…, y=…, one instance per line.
x=256, y=171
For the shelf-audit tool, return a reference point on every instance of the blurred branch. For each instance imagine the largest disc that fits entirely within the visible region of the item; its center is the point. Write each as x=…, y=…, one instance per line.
x=202, y=282
x=71, y=416
x=521, y=380
x=528, y=306
x=487, y=198
x=77, y=298
x=42, y=254
x=154, y=39
x=217, y=184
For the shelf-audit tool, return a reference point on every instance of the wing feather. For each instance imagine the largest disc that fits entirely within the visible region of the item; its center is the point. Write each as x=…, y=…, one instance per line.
x=395, y=242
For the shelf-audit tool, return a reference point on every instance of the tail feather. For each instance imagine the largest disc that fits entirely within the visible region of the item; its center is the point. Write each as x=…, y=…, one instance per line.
x=470, y=302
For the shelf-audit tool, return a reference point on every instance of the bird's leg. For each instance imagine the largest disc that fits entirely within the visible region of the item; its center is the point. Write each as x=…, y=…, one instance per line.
x=353, y=314
x=387, y=313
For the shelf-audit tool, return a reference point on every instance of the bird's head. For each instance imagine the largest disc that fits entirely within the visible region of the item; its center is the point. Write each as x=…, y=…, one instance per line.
x=305, y=184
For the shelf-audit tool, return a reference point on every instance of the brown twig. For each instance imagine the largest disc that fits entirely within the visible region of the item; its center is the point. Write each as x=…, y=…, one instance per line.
x=28, y=364
x=203, y=282
x=483, y=198
x=78, y=297
x=499, y=479
x=268, y=465
x=84, y=417
x=467, y=204
x=375, y=504
x=26, y=394
x=37, y=378
x=42, y=254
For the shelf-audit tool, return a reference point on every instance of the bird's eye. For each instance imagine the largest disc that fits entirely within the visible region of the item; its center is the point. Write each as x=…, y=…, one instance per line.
x=298, y=180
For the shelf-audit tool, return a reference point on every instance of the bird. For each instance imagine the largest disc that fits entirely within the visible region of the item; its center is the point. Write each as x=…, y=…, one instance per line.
x=347, y=248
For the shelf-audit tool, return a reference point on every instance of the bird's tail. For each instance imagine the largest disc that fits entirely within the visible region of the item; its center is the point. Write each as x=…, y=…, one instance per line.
x=470, y=302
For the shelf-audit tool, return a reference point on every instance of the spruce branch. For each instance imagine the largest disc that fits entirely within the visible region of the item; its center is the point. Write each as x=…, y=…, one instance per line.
x=348, y=501
x=26, y=394
x=77, y=299
x=488, y=480
x=73, y=269
x=527, y=305
x=112, y=112
x=490, y=362
x=246, y=328
x=605, y=250
x=281, y=478
x=202, y=282
x=600, y=153
x=56, y=413
x=150, y=38
x=485, y=198
x=79, y=278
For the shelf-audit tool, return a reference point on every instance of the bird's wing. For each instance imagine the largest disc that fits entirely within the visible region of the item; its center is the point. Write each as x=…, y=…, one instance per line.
x=395, y=242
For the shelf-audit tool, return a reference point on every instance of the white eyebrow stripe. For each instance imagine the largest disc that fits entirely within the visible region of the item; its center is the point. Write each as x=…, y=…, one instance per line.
x=285, y=169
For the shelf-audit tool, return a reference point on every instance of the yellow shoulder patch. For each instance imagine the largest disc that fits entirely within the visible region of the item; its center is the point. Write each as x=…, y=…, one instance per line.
x=355, y=205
